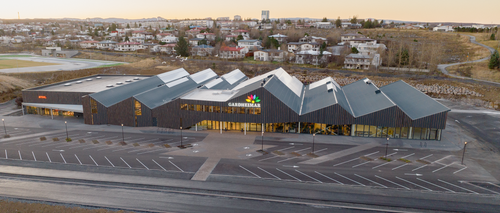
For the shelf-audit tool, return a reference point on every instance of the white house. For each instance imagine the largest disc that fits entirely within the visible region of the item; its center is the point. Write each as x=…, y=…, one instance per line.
x=202, y=50
x=294, y=46
x=167, y=48
x=208, y=36
x=127, y=46
x=443, y=28
x=250, y=44
x=270, y=55
x=88, y=44
x=279, y=37
x=324, y=25
x=106, y=45
x=312, y=57
x=361, y=61
x=233, y=52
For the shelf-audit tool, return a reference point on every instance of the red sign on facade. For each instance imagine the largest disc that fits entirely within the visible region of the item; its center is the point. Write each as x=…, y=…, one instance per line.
x=42, y=97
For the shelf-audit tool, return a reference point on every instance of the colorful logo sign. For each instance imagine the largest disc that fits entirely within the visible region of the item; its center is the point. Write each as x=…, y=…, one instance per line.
x=253, y=99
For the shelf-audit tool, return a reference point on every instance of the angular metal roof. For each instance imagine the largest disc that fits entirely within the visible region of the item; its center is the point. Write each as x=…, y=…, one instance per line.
x=227, y=81
x=112, y=96
x=281, y=91
x=414, y=103
x=363, y=98
x=173, y=75
x=321, y=94
x=204, y=75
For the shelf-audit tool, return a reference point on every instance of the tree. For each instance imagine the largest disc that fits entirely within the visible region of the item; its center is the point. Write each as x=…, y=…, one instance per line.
x=135, y=25
x=354, y=50
x=492, y=37
x=324, y=19
x=338, y=22
x=126, y=38
x=52, y=32
x=494, y=60
x=403, y=57
x=128, y=26
x=240, y=37
x=354, y=20
x=203, y=42
x=306, y=34
x=182, y=47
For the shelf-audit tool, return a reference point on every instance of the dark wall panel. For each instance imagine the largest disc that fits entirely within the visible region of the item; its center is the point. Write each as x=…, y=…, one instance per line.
x=87, y=115
x=334, y=114
x=146, y=118
x=122, y=113
x=53, y=97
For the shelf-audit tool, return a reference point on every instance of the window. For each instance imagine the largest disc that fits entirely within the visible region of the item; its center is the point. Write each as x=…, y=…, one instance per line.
x=93, y=106
x=184, y=107
x=138, y=110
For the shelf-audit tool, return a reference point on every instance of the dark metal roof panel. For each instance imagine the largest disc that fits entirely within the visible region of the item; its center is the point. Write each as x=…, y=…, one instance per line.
x=363, y=98
x=414, y=103
x=284, y=94
x=112, y=96
x=317, y=98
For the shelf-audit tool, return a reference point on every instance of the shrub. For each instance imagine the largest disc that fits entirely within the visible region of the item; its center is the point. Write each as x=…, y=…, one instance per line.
x=95, y=141
x=404, y=160
x=109, y=142
x=68, y=140
x=386, y=159
x=43, y=138
x=6, y=136
x=166, y=146
x=122, y=143
x=55, y=139
x=81, y=141
x=135, y=144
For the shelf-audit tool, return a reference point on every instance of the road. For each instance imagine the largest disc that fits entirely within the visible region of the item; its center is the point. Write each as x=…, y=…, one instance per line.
x=443, y=67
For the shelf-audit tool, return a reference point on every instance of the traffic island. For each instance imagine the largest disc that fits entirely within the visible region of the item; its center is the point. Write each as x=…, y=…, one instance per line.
x=95, y=141
x=150, y=145
x=167, y=146
x=55, y=139
x=122, y=143
x=6, y=136
x=404, y=160
x=184, y=146
x=109, y=142
x=43, y=138
x=135, y=144
x=296, y=154
x=386, y=159
x=81, y=141
x=278, y=152
x=423, y=161
x=262, y=152
x=68, y=140
x=312, y=155
x=366, y=158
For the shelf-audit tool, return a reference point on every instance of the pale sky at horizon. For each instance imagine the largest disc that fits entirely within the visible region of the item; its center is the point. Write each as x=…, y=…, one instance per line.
x=478, y=11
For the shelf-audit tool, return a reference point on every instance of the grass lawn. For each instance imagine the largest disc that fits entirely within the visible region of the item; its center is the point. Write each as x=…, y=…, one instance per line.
x=16, y=56
x=476, y=70
x=12, y=63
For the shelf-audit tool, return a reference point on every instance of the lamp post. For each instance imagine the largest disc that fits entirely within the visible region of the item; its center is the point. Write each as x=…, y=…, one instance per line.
x=314, y=134
x=66, y=124
x=123, y=136
x=463, y=154
x=4, y=126
x=181, y=136
x=386, y=146
x=262, y=141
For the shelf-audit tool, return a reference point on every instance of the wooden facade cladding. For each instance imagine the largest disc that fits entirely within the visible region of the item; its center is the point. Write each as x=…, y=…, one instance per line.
x=384, y=117
x=334, y=114
x=122, y=113
x=87, y=112
x=146, y=117
x=51, y=97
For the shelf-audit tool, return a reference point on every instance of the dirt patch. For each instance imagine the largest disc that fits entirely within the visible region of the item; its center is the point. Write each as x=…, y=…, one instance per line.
x=10, y=206
x=278, y=152
x=366, y=158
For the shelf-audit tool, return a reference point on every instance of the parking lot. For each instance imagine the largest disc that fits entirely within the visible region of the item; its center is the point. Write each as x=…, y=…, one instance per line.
x=142, y=151
x=426, y=170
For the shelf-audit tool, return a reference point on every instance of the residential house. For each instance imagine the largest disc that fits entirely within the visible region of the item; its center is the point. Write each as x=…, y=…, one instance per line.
x=106, y=45
x=270, y=55
x=312, y=57
x=357, y=41
x=313, y=39
x=443, y=28
x=324, y=25
x=127, y=46
x=205, y=35
x=361, y=61
x=279, y=37
x=231, y=37
x=202, y=50
x=167, y=37
x=193, y=32
x=294, y=46
x=350, y=36
x=310, y=47
x=137, y=39
x=168, y=49
x=195, y=41
x=370, y=48
x=88, y=44
x=250, y=44
x=349, y=25
x=232, y=52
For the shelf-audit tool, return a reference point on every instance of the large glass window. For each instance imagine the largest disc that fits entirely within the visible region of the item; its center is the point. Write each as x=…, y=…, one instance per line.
x=138, y=110
x=417, y=132
x=379, y=131
x=404, y=132
x=93, y=106
x=373, y=131
x=184, y=107
x=433, y=134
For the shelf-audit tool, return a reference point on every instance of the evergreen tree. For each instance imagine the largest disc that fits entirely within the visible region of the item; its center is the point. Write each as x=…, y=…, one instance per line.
x=203, y=42
x=127, y=39
x=128, y=26
x=181, y=48
x=492, y=37
x=354, y=50
x=354, y=20
x=494, y=60
x=240, y=37
x=324, y=19
x=338, y=22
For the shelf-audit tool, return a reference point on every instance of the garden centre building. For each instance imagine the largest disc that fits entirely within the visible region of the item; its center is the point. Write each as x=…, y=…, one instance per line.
x=271, y=102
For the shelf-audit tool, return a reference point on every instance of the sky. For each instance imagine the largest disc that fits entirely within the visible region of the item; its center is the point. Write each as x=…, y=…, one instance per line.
x=477, y=11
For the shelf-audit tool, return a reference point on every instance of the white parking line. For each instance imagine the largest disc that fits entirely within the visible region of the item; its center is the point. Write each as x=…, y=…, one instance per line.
x=159, y=164
x=93, y=160
x=269, y=173
x=249, y=171
x=425, y=157
x=419, y=167
x=286, y=159
x=361, y=164
x=435, y=185
x=442, y=159
x=355, y=159
x=289, y=175
x=78, y=159
x=20, y=157
x=33, y=155
x=349, y=179
x=459, y=170
x=126, y=163
x=442, y=181
x=413, y=183
x=399, y=166
x=392, y=182
x=408, y=155
x=109, y=161
x=286, y=148
x=370, y=180
x=269, y=158
x=63, y=157
x=176, y=166
x=308, y=176
x=494, y=184
x=443, y=167
x=480, y=187
x=329, y=178
x=380, y=165
x=142, y=164
x=48, y=157
x=302, y=150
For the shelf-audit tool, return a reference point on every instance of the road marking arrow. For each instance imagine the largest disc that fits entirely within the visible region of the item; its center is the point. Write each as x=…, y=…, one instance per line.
x=414, y=174
x=400, y=149
x=291, y=166
x=58, y=150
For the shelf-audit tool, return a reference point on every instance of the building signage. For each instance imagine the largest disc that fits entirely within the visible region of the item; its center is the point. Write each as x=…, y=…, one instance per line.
x=42, y=97
x=252, y=101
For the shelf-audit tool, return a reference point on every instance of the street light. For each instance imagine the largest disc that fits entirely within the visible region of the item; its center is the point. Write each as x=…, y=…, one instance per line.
x=386, y=146
x=262, y=141
x=314, y=134
x=463, y=154
x=4, y=126
x=123, y=137
x=66, y=124
x=181, y=136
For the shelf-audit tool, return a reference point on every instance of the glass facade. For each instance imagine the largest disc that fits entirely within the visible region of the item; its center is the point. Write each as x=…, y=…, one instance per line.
x=415, y=133
x=45, y=111
x=218, y=109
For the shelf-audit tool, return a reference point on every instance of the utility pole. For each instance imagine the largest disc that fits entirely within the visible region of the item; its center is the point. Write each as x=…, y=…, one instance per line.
x=123, y=137
x=386, y=146
x=66, y=124
x=4, y=128
x=463, y=154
